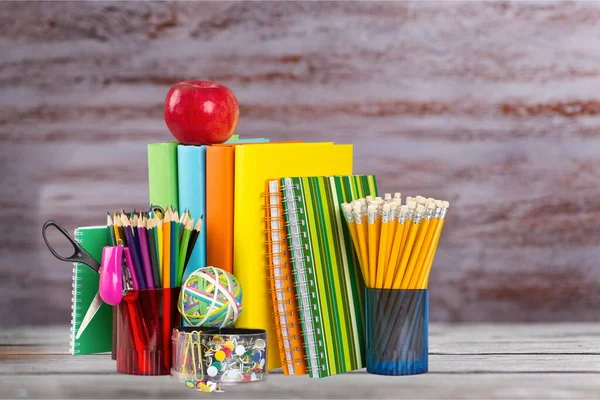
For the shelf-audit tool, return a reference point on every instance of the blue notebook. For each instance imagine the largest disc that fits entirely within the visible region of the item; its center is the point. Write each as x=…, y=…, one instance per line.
x=191, y=166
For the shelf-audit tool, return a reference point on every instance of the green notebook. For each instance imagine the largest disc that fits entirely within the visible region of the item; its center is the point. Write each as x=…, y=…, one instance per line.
x=98, y=335
x=328, y=282
x=162, y=174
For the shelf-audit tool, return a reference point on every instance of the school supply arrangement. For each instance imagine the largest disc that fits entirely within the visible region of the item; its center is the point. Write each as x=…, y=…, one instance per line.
x=249, y=241
x=396, y=245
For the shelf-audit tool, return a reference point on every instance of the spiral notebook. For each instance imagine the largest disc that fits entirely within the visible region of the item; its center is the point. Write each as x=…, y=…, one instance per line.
x=285, y=305
x=97, y=337
x=328, y=282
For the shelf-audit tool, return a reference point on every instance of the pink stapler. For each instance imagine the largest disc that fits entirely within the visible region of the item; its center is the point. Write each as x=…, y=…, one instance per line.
x=116, y=274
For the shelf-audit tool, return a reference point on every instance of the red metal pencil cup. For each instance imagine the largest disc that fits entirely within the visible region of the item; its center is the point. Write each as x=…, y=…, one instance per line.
x=144, y=324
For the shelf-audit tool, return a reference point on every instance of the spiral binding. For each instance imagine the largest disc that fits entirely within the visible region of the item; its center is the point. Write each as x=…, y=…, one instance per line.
x=75, y=301
x=303, y=273
x=280, y=278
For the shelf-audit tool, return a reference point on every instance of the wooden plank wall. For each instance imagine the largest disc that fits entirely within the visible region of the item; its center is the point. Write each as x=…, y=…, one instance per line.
x=491, y=105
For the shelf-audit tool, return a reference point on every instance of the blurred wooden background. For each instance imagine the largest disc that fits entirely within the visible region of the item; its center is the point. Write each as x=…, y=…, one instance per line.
x=492, y=105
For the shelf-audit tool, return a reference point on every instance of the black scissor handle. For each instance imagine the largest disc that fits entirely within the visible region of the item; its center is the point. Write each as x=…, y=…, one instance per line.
x=79, y=254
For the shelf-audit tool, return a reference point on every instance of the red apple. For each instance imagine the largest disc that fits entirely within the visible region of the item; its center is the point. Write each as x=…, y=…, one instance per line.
x=201, y=112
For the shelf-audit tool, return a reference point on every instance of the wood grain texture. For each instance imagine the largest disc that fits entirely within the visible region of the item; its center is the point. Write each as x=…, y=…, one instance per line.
x=491, y=105
x=461, y=366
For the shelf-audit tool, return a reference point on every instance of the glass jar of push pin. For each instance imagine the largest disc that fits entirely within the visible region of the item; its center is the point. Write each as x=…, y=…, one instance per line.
x=211, y=357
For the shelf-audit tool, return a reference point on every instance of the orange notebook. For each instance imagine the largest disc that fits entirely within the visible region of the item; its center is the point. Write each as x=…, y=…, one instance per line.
x=219, y=203
x=219, y=206
x=281, y=278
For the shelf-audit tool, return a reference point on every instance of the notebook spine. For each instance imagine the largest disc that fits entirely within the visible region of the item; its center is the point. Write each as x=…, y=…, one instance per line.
x=297, y=237
x=75, y=301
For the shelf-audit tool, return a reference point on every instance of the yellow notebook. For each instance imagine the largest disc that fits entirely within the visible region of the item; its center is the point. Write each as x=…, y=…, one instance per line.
x=254, y=165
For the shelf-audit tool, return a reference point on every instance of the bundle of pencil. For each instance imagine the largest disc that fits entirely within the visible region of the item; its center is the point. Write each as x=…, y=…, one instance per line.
x=160, y=245
x=395, y=243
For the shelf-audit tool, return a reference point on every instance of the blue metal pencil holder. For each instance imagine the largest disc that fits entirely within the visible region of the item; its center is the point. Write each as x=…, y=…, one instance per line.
x=397, y=323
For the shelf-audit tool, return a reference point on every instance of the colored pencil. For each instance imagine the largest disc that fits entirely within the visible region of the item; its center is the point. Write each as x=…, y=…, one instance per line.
x=192, y=242
x=111, y=230
x=134, y=256
x=174, y=248
x=185, y=238
x=152, y=249
x=143, y=239
x=167, y=250
x=159, y=244
x=136, y=245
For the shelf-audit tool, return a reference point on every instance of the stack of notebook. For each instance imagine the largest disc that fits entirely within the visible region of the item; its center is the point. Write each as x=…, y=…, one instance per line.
x=199, y=179
x=314, y=273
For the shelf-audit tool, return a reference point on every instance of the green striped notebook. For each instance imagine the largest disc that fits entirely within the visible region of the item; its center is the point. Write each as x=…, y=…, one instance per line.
x=328, y=282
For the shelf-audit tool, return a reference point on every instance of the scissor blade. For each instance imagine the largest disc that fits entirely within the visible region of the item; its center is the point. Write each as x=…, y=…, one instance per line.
x=89, y=315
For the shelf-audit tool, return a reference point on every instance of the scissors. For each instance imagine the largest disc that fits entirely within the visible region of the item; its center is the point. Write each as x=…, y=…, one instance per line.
x=79, y=256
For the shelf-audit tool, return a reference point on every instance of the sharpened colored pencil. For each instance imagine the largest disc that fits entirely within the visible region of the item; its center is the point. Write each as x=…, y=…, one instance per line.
x=143, y=239
x=152, y=249
x=111, y=230
x=166, y=270
x=134, y=256
x=192, y=242
x=174, y=248
x=185, y=238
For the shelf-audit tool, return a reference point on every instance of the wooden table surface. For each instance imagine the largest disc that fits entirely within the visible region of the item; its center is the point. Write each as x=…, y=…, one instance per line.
x=466, y=361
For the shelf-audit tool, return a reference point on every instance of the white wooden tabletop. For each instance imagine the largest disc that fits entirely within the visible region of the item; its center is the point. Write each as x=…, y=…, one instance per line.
x=465, y=361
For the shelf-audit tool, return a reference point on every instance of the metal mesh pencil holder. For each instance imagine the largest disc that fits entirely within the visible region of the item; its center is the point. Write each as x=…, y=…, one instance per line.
x=397, y=331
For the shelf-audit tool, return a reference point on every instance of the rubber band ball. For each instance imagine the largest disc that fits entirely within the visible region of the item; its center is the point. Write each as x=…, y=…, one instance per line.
x=210, y=297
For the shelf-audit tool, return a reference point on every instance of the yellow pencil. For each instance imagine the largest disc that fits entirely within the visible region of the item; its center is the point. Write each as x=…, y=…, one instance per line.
x=429, y=240
x=372, y=242
x=361, y=231
x=116, y=227
x=412, y=204
x=431, y=252
x=383, y=245
x=158, y=223
x=424, y=237
x=166, y=256
x=394, y=209
x=393, y=262
x=407, y=249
